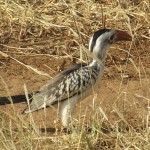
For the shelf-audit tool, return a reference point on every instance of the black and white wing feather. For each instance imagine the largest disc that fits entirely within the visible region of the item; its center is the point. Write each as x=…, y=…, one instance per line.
x=65, y=85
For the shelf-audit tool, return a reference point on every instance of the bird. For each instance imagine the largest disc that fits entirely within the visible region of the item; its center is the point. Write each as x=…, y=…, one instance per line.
x=76, y=82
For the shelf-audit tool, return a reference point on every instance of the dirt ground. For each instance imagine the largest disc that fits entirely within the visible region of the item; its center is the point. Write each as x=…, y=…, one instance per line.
x=122, y=80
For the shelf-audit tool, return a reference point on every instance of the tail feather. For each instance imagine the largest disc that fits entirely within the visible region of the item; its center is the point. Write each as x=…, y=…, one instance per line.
x=36, y=104
x=30, y=109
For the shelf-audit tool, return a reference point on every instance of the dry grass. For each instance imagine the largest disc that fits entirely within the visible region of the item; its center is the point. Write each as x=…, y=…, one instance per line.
x=61, y=29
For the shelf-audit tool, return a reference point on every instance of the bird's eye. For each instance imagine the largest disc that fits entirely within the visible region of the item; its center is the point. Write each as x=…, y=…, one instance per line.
x=111, y=38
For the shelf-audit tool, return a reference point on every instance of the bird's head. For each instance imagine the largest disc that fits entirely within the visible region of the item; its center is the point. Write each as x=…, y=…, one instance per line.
x=103, y=38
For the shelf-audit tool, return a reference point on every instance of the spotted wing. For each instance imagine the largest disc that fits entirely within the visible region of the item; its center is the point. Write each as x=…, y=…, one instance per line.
x=65, y=85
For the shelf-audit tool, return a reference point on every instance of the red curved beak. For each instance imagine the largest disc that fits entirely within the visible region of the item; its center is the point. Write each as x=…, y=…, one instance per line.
x=122, y=36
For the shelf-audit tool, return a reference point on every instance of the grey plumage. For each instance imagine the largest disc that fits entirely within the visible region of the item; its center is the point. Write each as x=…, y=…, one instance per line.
x=76, y=83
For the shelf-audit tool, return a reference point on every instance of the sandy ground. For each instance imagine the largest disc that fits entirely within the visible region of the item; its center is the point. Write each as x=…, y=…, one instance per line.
x=117, y=84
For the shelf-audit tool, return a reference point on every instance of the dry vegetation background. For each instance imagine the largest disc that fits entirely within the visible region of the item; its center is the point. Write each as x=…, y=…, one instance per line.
x=38, y=38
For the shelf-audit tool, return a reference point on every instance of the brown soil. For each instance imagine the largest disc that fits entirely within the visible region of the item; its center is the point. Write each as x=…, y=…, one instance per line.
x=115, y=85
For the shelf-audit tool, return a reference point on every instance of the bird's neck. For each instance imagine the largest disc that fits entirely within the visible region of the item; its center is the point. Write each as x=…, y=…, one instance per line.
x=99, y=54
x=99, y=60
x=97, y=65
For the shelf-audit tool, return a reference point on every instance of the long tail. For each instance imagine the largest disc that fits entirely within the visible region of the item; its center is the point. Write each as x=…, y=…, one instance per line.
x=36, y=103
